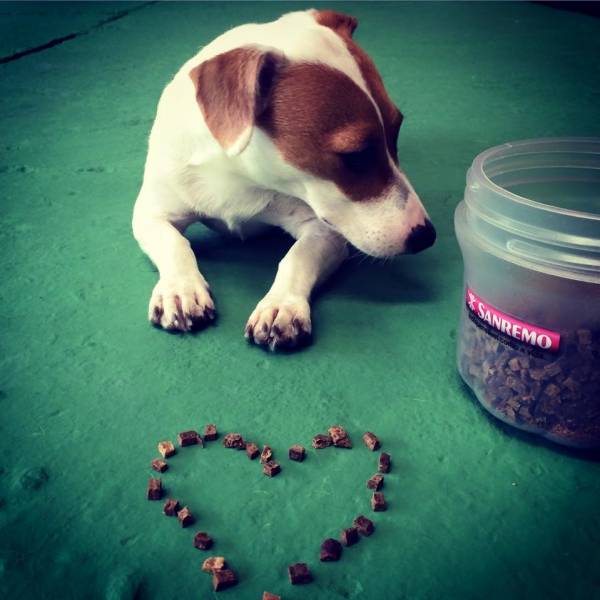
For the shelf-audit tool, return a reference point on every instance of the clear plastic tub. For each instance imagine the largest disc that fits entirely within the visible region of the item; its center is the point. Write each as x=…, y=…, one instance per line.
x=529, y=338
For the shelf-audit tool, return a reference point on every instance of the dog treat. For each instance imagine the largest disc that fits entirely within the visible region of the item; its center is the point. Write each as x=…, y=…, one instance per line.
x=223, y=579
x=339, y=436
x=330, y=550
x=189, y=438
x=234, y=440
x=252, y=450
x=269, y=596
x=210, y=432
x=299, y=574
x=266, y=455
x=213, y=563
x=203, y=541
x=375, y=482
x=271, y=468
x=185, y=516
x=365, y=526
x=555, y=394
x=160, y=465
x=371, y=441
x=296, y=453
x=321, y=441
x=166, y=449
x=171, y=507
x=349, y=536
x=154, y=489
x=385, y=462
x=378, y=502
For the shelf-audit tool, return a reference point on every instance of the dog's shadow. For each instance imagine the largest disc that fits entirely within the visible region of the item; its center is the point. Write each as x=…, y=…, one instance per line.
x=400, y=280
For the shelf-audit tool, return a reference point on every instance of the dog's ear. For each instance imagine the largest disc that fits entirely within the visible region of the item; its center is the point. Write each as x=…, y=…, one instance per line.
x=232, y=90
x=342, y=24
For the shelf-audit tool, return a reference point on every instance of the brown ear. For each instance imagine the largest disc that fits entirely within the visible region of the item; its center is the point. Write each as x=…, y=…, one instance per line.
x=342, y=24
x=232, y=89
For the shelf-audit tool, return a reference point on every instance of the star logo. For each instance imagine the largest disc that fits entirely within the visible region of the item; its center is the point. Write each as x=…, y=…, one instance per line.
x=471, y=301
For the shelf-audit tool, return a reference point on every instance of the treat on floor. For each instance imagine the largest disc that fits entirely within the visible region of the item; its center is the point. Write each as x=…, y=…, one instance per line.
x=385, y=462
x=266, y=455
x=321, y=441
x=154, y=488
x=185, y=516
x=213, y=563
x=160, y=465
x=271, y=468
x=378, y=502
x=210, y=432
x=296, y=453
x=339, y=436
x=371, y=441
x=203, y=541
x=166, y=449
x=269, y=596
x=171, y=507
x=189, y=438
x=252, y=450
x=223, y=579
x=299, y=574
x=365, y=526
x=331, y=550
x=234, y=440
x=375, y=482
x=349, y=536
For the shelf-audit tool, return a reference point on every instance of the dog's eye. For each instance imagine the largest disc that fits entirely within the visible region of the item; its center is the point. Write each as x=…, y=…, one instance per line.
x=359, y=161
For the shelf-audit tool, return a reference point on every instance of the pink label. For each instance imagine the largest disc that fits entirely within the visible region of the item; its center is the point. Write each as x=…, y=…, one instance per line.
x=524, y=332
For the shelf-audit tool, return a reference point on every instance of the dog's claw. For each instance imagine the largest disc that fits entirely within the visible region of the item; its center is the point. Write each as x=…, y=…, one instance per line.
x=181, y=305
x=279, y=326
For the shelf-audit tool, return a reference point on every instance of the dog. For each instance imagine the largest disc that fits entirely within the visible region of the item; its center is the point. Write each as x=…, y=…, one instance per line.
x=284, y=124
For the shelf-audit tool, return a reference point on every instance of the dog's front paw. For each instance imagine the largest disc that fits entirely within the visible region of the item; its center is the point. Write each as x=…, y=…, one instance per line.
x=181, y=304
x=280, y=324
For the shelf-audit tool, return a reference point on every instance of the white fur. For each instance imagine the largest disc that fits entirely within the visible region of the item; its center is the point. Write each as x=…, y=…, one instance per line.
x=188, y=177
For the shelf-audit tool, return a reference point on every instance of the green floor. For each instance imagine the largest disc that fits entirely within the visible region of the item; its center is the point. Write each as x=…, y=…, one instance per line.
x=88, y=387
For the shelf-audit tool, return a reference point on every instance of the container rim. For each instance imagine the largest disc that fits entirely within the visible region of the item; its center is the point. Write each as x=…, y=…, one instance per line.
x=478, y=173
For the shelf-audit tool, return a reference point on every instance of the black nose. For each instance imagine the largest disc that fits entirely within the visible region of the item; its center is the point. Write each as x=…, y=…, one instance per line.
x=420, y=237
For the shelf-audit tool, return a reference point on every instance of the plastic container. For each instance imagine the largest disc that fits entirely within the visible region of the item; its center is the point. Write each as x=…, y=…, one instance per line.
x=529, y=337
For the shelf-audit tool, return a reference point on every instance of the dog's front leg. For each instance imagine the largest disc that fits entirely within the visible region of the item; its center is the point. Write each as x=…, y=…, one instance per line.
x=181, y=299
x=282, y=317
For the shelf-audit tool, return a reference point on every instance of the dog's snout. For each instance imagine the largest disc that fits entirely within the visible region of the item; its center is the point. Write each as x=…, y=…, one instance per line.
x=420, y=238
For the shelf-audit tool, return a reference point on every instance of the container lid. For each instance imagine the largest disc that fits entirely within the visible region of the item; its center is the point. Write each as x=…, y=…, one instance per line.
x=538, y=201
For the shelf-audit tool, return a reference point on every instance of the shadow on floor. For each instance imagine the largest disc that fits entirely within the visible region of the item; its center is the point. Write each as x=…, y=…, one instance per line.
x=405, y=279
x=591, y=9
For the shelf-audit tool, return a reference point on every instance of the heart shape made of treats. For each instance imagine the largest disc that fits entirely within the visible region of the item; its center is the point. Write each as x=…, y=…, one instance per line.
x=270, y=469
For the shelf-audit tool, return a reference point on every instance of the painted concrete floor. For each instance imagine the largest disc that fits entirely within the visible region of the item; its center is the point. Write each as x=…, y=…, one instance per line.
x=88, y=387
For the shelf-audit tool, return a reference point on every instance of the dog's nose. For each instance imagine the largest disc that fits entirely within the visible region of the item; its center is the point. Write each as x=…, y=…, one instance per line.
x=420, y=237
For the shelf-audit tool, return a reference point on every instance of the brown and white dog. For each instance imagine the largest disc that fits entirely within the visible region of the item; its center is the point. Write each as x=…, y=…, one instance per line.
x=282, y=124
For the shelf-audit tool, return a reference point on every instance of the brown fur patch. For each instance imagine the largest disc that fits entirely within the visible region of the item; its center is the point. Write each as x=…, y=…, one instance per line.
x=392, y=117
x=323, y=123
x=339, y=22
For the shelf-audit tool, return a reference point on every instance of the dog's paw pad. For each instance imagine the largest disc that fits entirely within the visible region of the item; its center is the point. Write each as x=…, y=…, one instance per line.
x=181, y=304
x=279, y=325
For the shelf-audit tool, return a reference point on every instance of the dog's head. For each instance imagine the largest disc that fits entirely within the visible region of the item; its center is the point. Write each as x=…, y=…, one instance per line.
x=331, y=129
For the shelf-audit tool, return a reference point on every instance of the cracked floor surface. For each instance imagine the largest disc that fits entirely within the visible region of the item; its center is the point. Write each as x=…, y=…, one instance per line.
x=26, y=25
x=87, y=387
